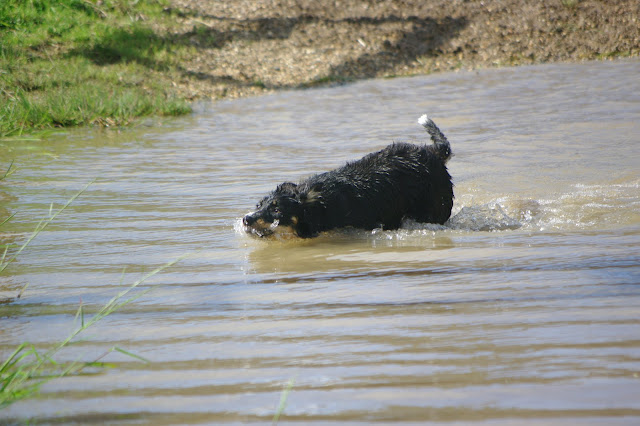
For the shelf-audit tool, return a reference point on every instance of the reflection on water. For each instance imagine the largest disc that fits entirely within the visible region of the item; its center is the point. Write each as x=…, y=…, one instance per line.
x=522, y=308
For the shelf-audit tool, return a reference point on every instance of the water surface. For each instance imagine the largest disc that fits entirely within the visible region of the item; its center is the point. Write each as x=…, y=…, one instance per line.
x=523, y=308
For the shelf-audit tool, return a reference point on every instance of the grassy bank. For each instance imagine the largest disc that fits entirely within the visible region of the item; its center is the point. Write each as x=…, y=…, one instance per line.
x=77, y=62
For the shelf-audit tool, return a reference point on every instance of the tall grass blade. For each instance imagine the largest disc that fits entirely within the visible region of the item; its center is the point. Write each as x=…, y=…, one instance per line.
x=8, y=219
x=132, y=355
x=24, y=287
x=283, y=401
x=26, y=370
x=42, y=225
x=14, y=358
x=4, y=253
x=80, y=314
x=9, y=172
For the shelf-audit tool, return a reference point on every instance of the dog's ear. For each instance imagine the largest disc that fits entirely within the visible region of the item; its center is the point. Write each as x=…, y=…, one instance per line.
x=311, y=202
x=287, y=187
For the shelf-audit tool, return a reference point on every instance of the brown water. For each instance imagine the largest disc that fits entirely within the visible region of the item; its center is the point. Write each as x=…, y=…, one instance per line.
x=524, y=308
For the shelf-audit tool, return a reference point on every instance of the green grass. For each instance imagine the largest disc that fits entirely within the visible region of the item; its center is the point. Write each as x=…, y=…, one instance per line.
x=79, y=62
x=283, y=401
x=570, y=4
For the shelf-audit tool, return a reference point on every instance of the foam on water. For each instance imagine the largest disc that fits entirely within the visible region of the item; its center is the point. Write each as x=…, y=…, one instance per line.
x=585, y=207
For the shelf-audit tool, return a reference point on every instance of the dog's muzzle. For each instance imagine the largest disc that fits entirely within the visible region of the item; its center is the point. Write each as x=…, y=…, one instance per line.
x=248, y=220
x=254, y=224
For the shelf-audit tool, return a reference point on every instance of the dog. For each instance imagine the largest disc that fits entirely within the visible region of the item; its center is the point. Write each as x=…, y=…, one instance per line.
x=401, y=181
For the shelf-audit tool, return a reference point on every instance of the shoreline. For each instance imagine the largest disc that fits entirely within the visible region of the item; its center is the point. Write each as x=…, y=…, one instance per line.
x=109, y=64
x=252, y=47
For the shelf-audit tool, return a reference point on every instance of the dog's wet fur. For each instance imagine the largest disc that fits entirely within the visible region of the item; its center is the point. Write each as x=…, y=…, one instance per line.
x=402, y=181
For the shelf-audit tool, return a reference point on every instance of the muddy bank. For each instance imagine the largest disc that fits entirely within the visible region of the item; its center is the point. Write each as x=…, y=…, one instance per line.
x=252, y=46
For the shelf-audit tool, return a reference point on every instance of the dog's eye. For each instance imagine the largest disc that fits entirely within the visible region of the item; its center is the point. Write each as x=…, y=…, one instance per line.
x=276, y=210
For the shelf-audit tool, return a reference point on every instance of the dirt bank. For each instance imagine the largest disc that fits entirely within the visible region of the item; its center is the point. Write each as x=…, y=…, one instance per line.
x=252, y=46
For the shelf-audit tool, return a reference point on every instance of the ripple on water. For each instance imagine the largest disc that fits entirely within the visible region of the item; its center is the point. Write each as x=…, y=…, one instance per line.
x=522, y=308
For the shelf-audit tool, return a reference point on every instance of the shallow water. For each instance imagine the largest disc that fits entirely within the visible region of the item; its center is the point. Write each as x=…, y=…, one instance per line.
x=524, y=308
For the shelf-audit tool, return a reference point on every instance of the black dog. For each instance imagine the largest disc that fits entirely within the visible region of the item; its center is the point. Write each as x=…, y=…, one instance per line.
x=378, y=191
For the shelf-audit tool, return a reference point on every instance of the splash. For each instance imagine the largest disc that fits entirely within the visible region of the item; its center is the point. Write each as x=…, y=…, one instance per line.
x=584, y=207
x=487, y=217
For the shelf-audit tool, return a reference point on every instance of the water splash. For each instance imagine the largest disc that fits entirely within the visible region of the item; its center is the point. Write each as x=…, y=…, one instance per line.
x=487, y=217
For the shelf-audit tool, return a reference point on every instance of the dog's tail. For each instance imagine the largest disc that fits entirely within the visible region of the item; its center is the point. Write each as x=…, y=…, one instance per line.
x=439, y=139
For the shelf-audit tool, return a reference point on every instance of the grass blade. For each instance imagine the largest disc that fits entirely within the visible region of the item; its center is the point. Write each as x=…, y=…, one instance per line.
x=8, y=219
x=25, y=370
x=21, y=377
x=42, y=225
x=130, y=354
x=283, y=401
x=9, y=172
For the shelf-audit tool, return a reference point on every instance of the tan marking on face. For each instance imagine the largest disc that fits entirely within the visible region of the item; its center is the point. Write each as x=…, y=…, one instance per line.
x=283, y=231
x=294, y=220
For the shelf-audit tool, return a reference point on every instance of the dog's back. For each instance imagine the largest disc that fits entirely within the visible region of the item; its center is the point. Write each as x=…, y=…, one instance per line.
x=381, y=189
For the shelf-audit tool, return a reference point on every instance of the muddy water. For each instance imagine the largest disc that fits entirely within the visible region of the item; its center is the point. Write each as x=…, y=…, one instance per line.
x=524, y=308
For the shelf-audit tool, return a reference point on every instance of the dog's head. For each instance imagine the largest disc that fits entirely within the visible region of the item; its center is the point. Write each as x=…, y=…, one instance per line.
x=279, y=213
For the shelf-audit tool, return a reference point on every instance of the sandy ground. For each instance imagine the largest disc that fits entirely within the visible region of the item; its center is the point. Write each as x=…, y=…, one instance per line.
x=245, y=47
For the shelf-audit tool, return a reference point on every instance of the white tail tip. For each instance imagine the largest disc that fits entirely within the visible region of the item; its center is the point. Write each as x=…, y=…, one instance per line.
x=423, y=120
